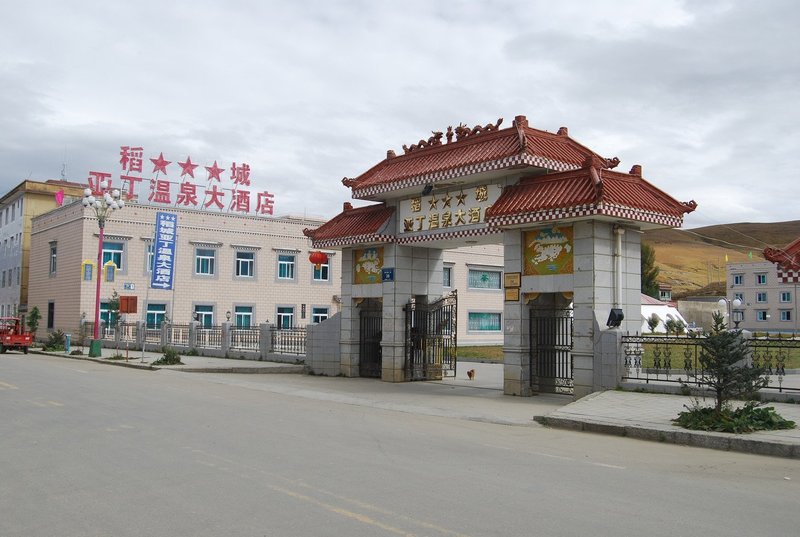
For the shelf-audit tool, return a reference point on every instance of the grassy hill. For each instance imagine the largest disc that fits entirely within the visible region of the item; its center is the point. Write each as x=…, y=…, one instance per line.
x=693, y=259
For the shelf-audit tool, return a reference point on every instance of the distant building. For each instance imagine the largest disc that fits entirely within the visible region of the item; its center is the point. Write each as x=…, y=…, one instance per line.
x=17, y=207
x=768, y=302
x=663, y=311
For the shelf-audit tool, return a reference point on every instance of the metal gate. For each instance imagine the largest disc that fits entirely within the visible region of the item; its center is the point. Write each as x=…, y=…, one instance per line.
x=431, y=342
x=551, y=350
x=370, y=357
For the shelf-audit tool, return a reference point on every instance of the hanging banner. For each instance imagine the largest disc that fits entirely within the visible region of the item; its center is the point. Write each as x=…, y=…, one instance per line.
x=164, y=251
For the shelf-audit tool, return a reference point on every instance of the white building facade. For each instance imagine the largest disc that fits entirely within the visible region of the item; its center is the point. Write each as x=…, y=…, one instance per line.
x=768, y=304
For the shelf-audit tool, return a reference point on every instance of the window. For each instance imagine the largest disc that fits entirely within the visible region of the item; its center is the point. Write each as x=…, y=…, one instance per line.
x=245, y=263
x=87, y=272
x=738, y=296
x=53, y=258
x=738, y=316
x=786, y=296
x=761, y=297
x=285, y=267
x=738, y=279
x=285, y=317
x=150, y=250
x=761, y=279
x=204, y=315
x=204, y=261
x=156, y=314
x=322, y=274
x=3, y=284
x=318, y=315
x=243, y=316
x=483, y=322
x=108, y=317
x=51, y=315
x=484, y=279
x=786, y=315
x=17, y=271
x=762, y=315
x=112, y=251
x=447, y=277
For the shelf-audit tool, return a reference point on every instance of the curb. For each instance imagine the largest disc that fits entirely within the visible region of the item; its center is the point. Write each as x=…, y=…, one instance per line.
x=708, y=440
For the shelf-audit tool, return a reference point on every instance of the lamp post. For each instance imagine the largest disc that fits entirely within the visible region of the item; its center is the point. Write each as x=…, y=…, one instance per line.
x=109, y=203
x=729, y=306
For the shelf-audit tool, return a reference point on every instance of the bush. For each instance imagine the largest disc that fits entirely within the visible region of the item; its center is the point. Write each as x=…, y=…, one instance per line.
x=76, y=352
x=748, y=418
x=171, y=357
x=55, y=342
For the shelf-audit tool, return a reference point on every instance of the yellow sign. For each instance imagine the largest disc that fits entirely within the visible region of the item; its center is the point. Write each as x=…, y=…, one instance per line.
x=367, y=265
x=548, y=251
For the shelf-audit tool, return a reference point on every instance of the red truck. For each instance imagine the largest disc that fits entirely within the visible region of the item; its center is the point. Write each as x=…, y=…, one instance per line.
x=13, y=335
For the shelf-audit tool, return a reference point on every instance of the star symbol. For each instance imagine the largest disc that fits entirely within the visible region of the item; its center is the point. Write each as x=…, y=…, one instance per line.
x=214, y=171
x=433, y=203
x=461, y=197
x=187, y=167
x=160, y=164
x=446, y=200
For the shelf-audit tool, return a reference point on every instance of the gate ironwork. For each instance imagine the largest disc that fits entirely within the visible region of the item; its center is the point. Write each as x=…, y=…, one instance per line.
x=551, y=350
x=370, y=356
x=431, y=343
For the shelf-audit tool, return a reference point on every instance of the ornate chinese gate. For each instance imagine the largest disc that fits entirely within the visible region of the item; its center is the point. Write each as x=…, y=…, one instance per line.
x=551, y=350
x=370, y=334
x=431, y=338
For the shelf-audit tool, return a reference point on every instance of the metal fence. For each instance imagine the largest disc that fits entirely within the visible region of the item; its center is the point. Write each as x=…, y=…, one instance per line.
x=676, y=359
x=246, y=339
x=209, y=337
x=288, y=340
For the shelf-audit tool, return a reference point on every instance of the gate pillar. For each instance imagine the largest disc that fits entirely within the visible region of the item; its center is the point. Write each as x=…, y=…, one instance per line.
x=516, y=326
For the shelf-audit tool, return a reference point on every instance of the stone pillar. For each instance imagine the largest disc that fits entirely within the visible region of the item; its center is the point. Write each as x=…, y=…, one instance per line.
x=516, y=325
x=193, y=326
x=264, y=340
x=226, y=338
x=348, y=341
x=141, y=333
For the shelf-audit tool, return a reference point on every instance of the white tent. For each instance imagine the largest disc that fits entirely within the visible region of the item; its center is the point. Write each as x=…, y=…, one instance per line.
x=662, y=310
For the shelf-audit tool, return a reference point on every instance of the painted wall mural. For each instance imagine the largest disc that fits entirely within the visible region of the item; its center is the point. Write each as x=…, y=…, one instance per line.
x=548, y=251
x=367, y=264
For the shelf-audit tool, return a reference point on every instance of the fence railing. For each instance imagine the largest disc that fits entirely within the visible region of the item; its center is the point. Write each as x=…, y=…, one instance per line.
x=288, y=340
x=246, y=339
x=676, y=359
x=209, y=337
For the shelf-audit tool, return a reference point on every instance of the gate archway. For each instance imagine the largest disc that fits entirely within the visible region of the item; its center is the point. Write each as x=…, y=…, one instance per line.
x=551, y=349
x=369, y=339
x=430, y=338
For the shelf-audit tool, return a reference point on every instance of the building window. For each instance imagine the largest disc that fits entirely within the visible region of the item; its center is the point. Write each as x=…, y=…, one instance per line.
x=245, y=264
x=51, y=315
x=447, y=277
x=150, y=249
x=483, y=322
x=112, y=251
x=761, y=315
x=761, y=279
x=285, y=318
x=738, y=279
x=87, y=272
x=318, y=315
x=285, y=267
x=204, y=315
x=322, y=274
x=786, y=315
x=484, y=279
x=738, y=296
x=761, y=298
x=108, y=317
x=204, y=261
x=243, y=316
x=53, y=258
x=156, y=314
x=786, y=296
x=3, y=284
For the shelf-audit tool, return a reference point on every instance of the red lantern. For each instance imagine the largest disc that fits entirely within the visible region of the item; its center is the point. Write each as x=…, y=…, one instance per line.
x=318, y=258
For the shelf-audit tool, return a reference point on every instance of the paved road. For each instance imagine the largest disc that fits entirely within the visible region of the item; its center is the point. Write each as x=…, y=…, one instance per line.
x=87, y=449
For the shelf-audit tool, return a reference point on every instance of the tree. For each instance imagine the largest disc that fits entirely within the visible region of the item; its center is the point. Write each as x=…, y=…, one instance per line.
x=725, y=368
x=33, y=319
x=113, y=310
x=652, y=323
x=649, y=271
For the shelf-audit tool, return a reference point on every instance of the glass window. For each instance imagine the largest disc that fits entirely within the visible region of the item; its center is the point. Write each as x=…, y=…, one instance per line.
x=786, y=296
x=761, y=279
x=204, y=261
x=738, y=279
x=156, y=314
x=321, y=274
x=204, y=315
x=108, y=317
x=285, y=317
x=481, y=321
x=53, y=258
x=112, y=251
x=447, y=276
x=150, y=248
x=245, y=263
x=286, y=267
x=786, y=315
x=318, y=314
x=51, y=315
x=761, y=297
x=738, y=296
x=761, y=315
x=87, y=272
x=484, y=279
x=243, y=316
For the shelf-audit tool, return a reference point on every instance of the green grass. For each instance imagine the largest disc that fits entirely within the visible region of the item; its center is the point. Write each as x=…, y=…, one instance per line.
x=491, y=353
x=677, y=356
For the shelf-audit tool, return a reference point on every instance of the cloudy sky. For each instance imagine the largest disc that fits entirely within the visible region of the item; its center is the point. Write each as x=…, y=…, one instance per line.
x=703, y=94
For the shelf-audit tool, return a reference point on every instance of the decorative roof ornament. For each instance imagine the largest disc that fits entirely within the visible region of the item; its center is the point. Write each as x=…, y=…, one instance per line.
x=434, y=140
x=462, y=131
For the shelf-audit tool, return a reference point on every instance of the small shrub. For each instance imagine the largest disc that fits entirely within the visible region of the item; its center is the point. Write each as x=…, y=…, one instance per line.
x=192, y=352
x=748, y=418
x=117, y=356
x=171, y=357
x=55, y=342
x=76, y=352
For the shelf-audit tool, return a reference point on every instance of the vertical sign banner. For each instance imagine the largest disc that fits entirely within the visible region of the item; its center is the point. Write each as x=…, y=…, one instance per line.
x=164, y=251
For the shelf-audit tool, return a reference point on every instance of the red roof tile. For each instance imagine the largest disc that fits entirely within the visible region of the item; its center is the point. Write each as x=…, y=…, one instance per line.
x=363, y=224
x=787, y=258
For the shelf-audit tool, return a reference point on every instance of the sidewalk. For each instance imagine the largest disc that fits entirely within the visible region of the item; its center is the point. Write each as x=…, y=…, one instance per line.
x=633, y=414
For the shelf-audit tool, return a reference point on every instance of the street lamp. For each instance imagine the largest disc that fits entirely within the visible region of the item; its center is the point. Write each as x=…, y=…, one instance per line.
x=110, y=202
x=728, y=305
